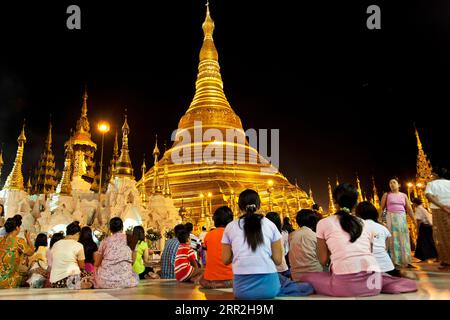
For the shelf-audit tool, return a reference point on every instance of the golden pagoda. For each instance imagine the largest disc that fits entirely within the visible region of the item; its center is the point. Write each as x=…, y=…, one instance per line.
x=15, y=178
x=123, y=167
x=331, y=207
x=81, y=142
x=189, y=180
x=45, y=174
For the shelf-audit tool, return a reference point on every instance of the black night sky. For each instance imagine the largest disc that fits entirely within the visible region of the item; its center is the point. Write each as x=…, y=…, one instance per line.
x=344, y=97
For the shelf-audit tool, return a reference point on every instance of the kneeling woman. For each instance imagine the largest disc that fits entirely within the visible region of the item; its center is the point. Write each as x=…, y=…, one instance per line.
x=253, y=245
x=354, y=270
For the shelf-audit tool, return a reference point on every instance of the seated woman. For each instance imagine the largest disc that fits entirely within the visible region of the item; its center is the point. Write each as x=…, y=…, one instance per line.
x=253, y=245
x=217, y=275
x=37, y=263
x=113, y=260
x=67, y=266
x=354, y=271
x=12, y=248
x=141, y=255
x=54, y=238
x=89, y=248
x=303, y=245
x=367, y=211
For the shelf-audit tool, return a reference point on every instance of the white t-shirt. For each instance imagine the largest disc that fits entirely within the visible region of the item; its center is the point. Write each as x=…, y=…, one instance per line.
x=65, y=256
x=245, y=261
x=284, y=244
x=439, y=188
x=423, y=215
x=380, y=233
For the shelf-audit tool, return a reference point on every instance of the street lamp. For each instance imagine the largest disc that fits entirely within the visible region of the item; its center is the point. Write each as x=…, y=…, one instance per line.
x=270, y=190
x=409, y=185
x=103, y=127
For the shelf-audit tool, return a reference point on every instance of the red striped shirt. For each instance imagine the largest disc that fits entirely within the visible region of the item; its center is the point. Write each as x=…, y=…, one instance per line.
x=183, y=268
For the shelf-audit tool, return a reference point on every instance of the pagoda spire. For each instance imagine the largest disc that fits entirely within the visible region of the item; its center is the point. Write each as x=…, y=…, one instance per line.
x=311, y=195
x=1, y=161
x=64, y=186
x=45, y=174
x=83, y=123
x=15, y=178
x=156, y=186
x=358, y=185
x=209, y=96
x=166, y=185
x=123, y=165
x=424, y=168
x=29, y=187
x=376, y=199
x=331, y=207
x=337, y=180
x=143, y=192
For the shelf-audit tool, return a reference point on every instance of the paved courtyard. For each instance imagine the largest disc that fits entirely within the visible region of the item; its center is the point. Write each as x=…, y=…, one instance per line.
x=433, y=283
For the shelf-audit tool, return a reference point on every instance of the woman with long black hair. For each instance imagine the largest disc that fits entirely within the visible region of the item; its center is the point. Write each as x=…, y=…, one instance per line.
x=253, y=245
x=345, y=241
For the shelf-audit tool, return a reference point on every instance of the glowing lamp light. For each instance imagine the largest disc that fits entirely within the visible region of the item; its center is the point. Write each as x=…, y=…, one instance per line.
x=409, y=185
x=209, y=194
x=201, y=195
x=270, y=183
x=103, y=126
x=419, y=185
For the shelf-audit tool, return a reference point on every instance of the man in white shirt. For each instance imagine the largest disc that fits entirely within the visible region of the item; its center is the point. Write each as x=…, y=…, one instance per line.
x=438, y=193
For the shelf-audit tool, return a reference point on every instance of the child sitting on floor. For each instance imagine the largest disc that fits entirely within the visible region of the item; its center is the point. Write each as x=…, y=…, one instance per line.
x=186, y=267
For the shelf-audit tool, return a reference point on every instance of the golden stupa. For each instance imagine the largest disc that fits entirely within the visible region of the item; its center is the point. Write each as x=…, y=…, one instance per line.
x=198, y=188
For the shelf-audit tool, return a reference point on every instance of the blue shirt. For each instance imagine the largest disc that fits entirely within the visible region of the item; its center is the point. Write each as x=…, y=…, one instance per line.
x=168, y=259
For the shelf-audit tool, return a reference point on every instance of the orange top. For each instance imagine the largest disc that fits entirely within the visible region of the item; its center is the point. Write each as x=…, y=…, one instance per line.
x=215, y=269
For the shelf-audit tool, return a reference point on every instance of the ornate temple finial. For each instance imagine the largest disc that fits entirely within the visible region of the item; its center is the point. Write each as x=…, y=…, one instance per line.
x=337, y=180
x=331, y=207
x=64, y=186
x=84, y=108
x=143, y=192
x=156, y=185
x=15, y=178
x=116, y=146
x=376, y=199
x=29, y=187
x=123, y=165
x=156, y=149
x=311, y=194
x=166, y=185
x=48, y=141
x=1, y=160
x=208, y=51
x=358, y=184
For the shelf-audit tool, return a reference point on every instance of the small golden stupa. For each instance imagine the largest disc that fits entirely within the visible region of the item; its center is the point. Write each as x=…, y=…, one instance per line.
x=201, y=187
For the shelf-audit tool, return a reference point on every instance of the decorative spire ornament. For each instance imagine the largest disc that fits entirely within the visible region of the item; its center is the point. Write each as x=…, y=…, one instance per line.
x=15, y=178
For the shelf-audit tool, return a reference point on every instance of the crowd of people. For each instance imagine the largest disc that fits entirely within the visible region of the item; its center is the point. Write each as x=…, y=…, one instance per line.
x=357, y=251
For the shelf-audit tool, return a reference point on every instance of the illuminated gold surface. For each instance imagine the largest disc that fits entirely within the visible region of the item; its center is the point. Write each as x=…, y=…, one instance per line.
x=225, y=181
x=15, y=178
x=123, y=165
x=81, y=141
x=331, y=207
x=64, y=187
